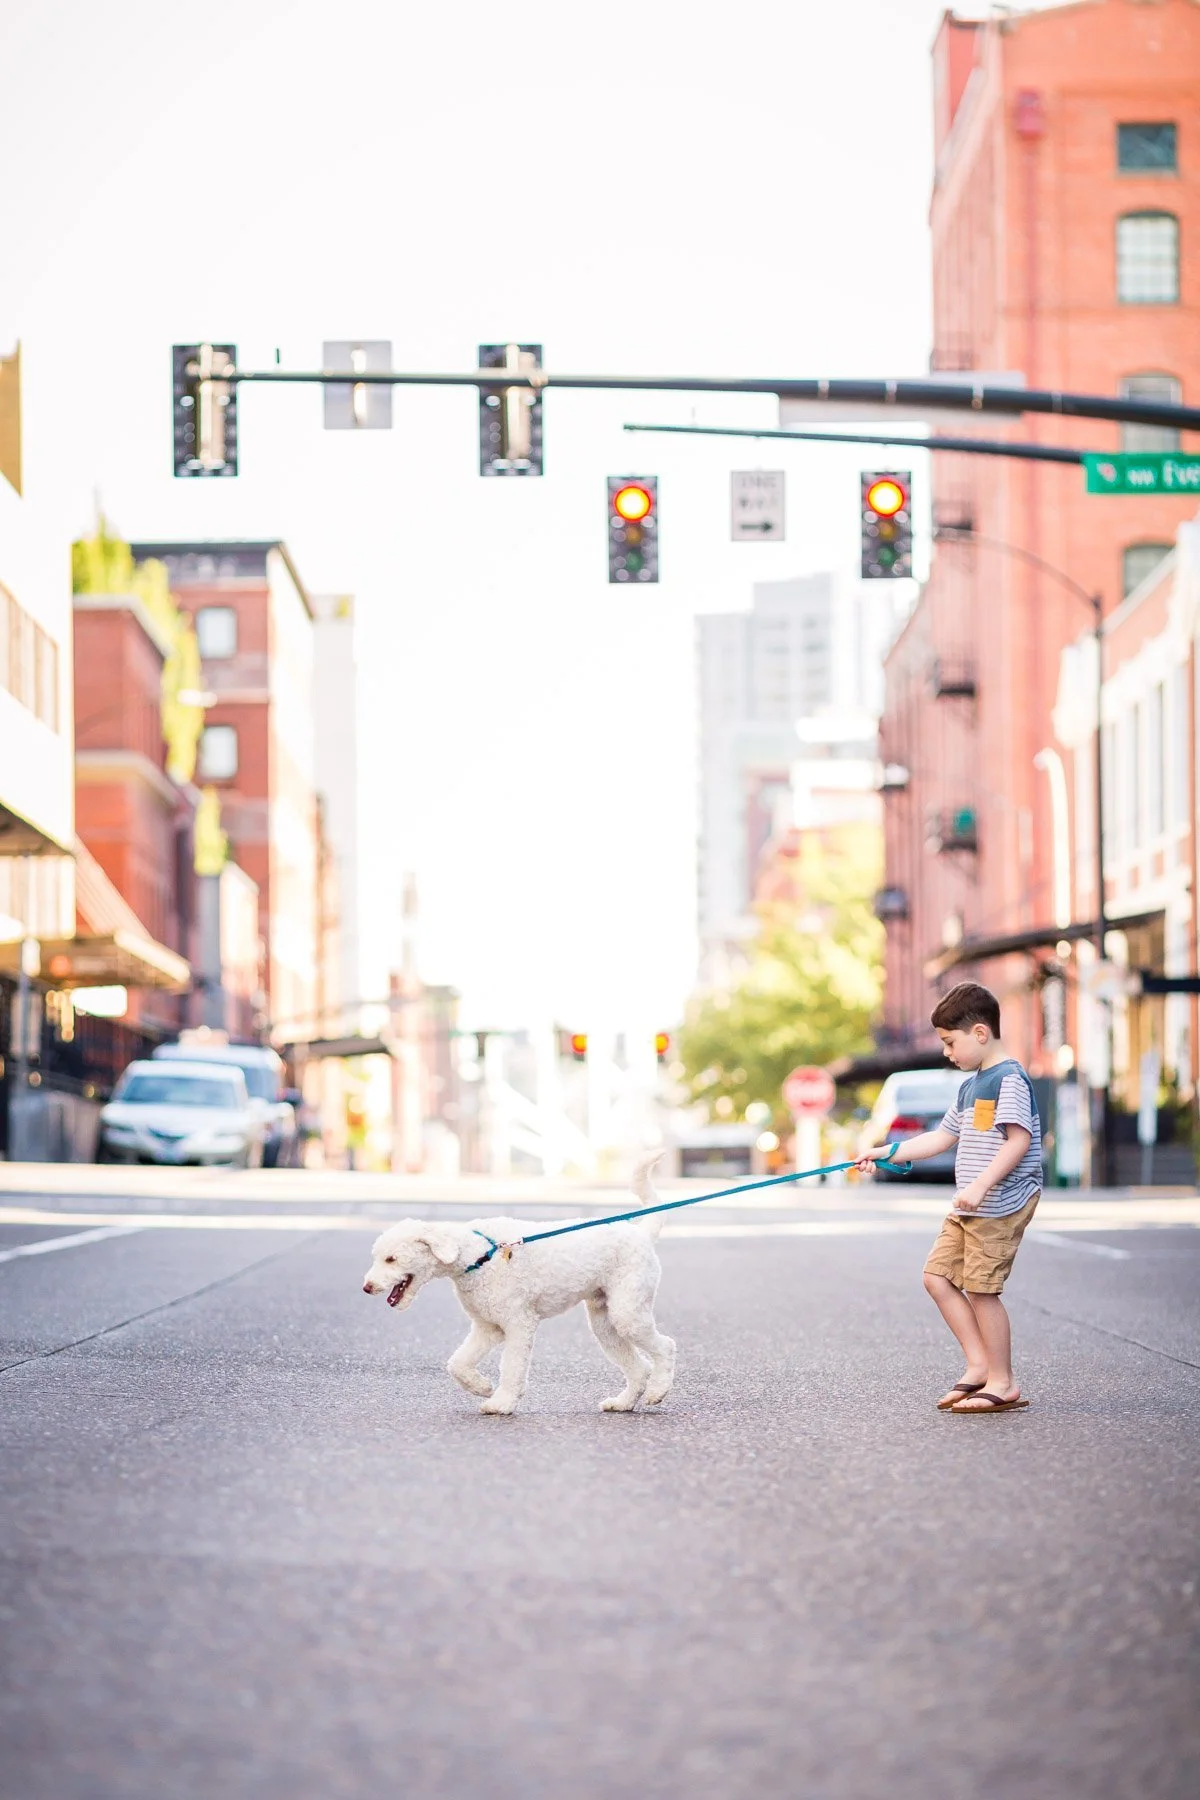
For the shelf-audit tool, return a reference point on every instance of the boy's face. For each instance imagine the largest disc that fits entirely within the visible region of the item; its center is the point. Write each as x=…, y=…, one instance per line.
x=966, y=1046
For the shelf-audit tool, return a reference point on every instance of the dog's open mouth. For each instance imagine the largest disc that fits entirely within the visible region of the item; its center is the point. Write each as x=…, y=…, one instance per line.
x=398, y=1292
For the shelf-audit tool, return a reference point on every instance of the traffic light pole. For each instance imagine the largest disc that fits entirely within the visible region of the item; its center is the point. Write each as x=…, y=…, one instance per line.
x=934, y=396
x=971, y=446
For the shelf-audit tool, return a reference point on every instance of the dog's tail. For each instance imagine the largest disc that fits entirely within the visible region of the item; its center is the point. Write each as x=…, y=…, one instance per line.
x=643, y=1186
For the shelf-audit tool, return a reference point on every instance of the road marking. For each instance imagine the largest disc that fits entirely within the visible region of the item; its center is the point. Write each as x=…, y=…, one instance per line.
x=44, y=1245
x=1065, y=1243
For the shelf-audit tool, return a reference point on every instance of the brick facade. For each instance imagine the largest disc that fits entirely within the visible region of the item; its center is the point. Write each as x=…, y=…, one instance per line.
x=1025, y=212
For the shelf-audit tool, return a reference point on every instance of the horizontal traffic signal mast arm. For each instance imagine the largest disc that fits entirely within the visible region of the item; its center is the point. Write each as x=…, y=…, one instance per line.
x=970, y=446
x=935, y=395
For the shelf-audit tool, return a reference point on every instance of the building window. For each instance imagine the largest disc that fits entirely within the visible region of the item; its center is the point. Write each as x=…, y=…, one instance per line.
x=28, y=661
x=1148, y=259
x=1146, y=150
x=218, y=760
x=1137, y=562
x=216, y=631
x=1168, y=389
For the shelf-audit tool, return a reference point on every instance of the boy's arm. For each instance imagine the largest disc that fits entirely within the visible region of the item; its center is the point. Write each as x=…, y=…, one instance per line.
x=1016, y=1142
x=913, y=1149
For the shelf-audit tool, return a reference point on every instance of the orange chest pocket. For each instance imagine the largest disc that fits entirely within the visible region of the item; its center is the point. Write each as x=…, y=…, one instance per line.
x=984, y=1116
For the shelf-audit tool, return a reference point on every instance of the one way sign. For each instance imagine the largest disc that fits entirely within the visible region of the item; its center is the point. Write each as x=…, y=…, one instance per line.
x=756, y=506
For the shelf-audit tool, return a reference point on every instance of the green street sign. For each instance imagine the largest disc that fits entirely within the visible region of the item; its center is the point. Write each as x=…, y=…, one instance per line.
x=1143, y=472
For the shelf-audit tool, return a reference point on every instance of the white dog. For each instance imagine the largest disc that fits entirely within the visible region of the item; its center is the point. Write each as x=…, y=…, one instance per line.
x=613, y=1269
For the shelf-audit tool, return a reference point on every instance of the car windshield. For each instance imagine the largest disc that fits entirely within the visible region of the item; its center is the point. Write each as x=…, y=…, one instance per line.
x=262, y=1083
x=177, y=1090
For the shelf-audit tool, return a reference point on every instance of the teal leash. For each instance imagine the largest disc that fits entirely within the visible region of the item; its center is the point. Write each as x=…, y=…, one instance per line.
x=641, y=1212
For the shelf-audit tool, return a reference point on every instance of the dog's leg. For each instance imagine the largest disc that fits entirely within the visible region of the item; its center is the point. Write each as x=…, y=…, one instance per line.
x=619, y=1350
x=635, y=1325
x=464, y=1364
x=514, y=1366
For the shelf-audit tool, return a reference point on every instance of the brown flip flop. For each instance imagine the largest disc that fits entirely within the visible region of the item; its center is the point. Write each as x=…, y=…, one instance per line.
x=994, y=1405
x=960, y=1387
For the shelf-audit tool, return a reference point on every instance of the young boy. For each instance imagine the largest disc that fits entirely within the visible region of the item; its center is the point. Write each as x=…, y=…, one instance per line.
x=998, y=1169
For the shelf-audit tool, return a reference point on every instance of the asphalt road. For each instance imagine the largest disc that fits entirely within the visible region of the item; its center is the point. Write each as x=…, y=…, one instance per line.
x=255, y=1543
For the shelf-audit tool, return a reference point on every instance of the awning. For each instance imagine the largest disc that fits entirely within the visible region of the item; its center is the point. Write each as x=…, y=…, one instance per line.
x=20, y=837
x=889, y=1059
x=315, y=1048
x=111, y=946
x=112, y=959
x=1042, y=937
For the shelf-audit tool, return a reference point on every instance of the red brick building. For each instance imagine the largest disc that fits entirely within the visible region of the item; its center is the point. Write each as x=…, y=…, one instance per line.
x=1066, y=245
x=254, y=623
x=135, y=822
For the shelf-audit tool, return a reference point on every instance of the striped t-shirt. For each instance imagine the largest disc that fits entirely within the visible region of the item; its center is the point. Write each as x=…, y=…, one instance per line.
x=986, y=1102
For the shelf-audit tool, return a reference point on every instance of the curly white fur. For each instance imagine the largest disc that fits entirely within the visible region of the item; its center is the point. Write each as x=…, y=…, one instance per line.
x=613, y=1269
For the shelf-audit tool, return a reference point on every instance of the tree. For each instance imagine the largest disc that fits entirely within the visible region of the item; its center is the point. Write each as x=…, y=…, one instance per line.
x=809, y=992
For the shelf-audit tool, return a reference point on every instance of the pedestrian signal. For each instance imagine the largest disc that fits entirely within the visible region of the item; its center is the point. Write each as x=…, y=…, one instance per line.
x=632, y=528
x=886, y=525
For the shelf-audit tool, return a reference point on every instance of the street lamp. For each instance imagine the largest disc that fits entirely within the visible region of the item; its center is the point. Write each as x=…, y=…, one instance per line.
x=954, y=534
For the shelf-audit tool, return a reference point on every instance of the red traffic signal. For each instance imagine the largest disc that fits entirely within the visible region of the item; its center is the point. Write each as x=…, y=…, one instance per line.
x=578, y=1043
x=632, y=528
x=886, y=513
x=662, y=1045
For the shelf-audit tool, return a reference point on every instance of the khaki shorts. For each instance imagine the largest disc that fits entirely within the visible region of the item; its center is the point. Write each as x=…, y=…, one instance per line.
x=976, y=1254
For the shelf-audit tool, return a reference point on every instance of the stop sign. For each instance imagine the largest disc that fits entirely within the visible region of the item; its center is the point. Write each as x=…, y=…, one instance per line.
x=809, y=1093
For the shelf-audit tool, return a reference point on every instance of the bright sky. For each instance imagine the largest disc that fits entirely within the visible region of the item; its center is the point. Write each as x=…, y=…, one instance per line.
x=676, y=187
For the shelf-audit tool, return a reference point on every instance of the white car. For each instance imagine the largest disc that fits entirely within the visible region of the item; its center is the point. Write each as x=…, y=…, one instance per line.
x=181, y=1113
x=263, y=1070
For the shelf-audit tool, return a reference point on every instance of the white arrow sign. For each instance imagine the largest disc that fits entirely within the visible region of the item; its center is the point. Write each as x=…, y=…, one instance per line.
x=756, y=511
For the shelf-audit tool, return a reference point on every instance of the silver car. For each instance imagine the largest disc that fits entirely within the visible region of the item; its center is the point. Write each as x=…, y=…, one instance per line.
x=910, y=1102
x=184, y=1113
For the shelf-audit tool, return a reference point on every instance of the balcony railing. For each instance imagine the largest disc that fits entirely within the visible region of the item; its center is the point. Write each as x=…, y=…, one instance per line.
x=956, y=829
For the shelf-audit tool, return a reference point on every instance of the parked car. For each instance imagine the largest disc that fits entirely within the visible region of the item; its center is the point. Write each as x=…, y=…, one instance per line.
x=912, y=1101
x=262, y=1069
x=185, y=1113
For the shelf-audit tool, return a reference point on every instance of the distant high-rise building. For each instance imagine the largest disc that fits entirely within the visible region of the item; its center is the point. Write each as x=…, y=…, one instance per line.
x=758, y=673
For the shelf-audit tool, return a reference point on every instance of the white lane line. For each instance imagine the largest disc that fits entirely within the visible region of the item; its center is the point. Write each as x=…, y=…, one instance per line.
x=1068, y=1243
x=44, y=1245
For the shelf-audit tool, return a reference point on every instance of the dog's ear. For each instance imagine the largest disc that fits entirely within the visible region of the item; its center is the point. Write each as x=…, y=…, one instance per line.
x=444, y=1241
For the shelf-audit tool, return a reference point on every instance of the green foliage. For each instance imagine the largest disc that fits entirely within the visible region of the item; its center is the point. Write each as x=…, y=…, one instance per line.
x=808, y=994
x=103, y=564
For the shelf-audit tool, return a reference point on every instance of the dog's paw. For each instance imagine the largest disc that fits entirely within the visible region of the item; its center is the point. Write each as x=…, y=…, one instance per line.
x=654, y=1396
x=499, y=1404
x=474, y=1384
x=619, y=1403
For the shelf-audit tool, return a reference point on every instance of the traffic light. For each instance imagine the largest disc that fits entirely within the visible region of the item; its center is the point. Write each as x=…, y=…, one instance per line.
x=578, y=1045
x=662, y=1045
x=510, y=418
x=886, y=525
x=633, y=528
x=204, y=409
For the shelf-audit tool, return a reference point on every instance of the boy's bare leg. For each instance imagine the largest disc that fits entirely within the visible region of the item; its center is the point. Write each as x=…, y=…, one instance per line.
x=961, y=1317
x=996, y=1336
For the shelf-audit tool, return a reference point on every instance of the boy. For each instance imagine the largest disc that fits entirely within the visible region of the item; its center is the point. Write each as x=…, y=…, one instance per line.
x=998, y=1168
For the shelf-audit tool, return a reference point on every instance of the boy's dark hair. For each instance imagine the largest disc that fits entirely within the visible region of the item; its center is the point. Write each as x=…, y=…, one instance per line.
x=966, y=1005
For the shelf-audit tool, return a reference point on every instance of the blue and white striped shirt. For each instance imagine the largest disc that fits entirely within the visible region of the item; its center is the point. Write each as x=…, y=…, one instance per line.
x=986, y=1102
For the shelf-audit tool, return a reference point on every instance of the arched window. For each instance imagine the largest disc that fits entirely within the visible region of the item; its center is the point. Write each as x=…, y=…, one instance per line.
x=1167, y=388
x=1137, y=562
x=1148, y=259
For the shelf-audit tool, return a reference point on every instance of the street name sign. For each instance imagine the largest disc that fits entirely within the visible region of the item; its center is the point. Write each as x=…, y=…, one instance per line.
x=809, y=1093
x=756, y=506
x=1142, y=472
